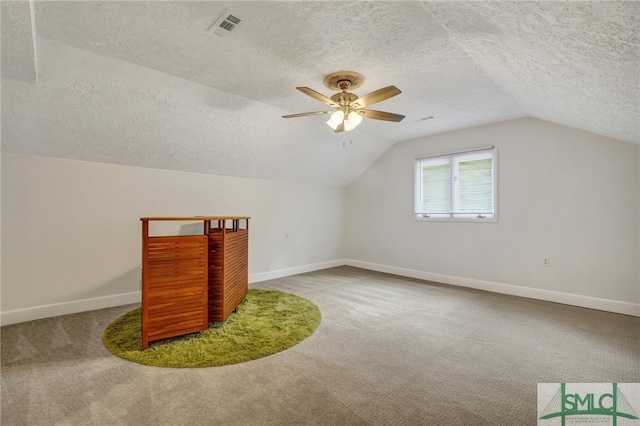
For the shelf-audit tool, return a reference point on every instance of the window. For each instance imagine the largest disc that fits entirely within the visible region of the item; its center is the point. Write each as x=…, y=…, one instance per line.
x=459, y=186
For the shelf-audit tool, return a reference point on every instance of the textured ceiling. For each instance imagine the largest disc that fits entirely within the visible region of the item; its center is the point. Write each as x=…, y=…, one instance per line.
x=18, y=41
x=149, y=84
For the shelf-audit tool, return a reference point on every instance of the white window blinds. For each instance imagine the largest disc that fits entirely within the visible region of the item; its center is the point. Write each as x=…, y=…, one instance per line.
x=456, y=186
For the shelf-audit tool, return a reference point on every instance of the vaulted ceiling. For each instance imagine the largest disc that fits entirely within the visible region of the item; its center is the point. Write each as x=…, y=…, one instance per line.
x=150, y=84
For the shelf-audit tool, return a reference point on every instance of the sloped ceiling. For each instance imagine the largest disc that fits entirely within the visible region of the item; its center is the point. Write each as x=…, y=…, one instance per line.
x=149, y=84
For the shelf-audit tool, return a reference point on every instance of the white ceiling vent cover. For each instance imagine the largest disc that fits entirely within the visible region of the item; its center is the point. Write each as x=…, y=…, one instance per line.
x=225, y=24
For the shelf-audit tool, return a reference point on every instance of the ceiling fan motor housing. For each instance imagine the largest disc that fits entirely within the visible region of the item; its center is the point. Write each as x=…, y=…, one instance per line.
x=343, y=98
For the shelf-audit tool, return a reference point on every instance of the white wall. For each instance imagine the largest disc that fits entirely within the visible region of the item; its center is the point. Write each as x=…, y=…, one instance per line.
x=563, y=193
x=71, y=231
x=71, y=234
x=0, y=231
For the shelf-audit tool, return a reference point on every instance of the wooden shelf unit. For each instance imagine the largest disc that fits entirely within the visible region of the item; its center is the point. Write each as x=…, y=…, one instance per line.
x=190, y=281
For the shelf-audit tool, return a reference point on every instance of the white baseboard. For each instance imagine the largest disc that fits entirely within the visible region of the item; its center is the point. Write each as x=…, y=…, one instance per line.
x=264, y=276
x=65, y=308
x=72, y=307
x=608, y=305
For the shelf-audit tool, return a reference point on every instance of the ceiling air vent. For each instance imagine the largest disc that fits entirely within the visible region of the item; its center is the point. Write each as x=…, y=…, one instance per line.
x=225, y=24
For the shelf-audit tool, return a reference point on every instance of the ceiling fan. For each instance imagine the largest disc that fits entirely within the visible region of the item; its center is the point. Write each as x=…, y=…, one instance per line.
x=348, y=109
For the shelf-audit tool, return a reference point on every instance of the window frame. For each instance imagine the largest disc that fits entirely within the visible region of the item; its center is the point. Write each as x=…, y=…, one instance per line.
x=456, y=158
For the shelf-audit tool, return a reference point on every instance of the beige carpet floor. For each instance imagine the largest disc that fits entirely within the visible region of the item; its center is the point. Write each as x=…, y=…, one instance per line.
x=389, y=351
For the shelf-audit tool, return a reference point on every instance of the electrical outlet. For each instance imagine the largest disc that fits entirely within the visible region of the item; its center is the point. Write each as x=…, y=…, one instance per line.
x=546, y=261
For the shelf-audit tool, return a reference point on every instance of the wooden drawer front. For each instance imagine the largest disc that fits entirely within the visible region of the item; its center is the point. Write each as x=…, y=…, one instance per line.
x=174, y=286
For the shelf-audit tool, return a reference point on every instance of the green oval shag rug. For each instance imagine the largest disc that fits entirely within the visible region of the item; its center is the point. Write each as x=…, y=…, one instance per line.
x=266, y=322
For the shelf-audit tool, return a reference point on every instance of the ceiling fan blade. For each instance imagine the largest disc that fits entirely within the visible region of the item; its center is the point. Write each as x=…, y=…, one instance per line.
x=304, y=114
x=315, y=95
x=377, y=96
x=381, y=115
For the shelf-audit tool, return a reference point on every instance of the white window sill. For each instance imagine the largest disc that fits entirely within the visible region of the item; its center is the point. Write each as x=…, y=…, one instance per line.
x=449, y=219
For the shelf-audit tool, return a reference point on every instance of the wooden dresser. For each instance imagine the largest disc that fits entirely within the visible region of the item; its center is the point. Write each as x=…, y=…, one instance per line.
x=189, y=281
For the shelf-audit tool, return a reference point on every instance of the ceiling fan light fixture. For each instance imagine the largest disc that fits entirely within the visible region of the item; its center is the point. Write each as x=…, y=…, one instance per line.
x=355, y=118
x=337, y=117
x=333, y=124
x=352, y=121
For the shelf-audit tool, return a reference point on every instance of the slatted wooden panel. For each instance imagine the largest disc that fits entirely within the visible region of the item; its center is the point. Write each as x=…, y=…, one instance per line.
x=174, y=286
x=216, y=277
x=228, y=271
x=235, y=269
